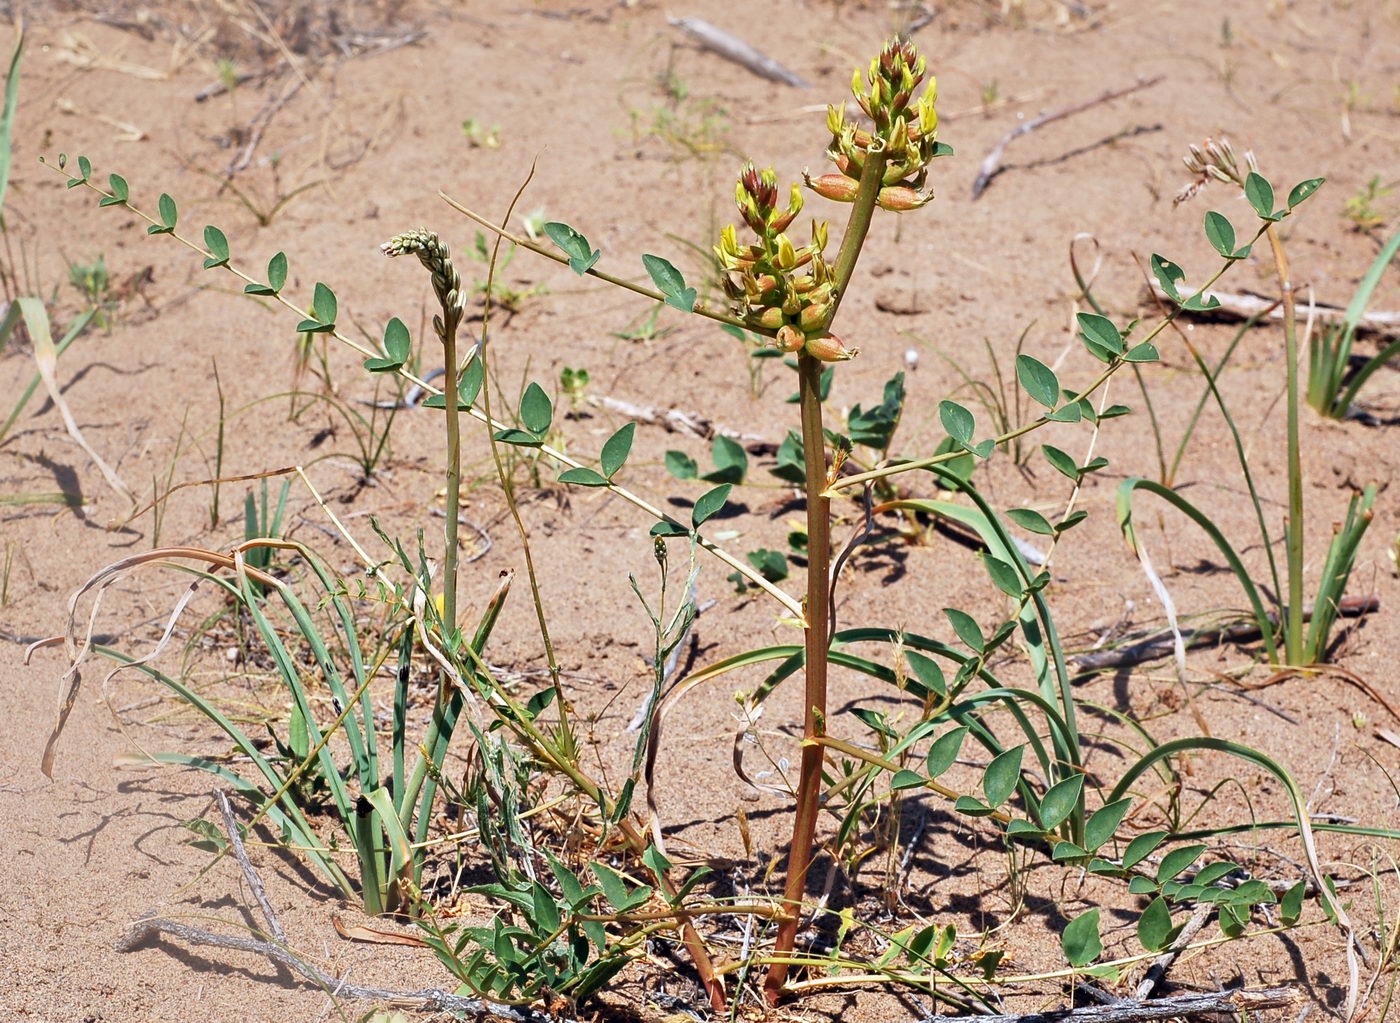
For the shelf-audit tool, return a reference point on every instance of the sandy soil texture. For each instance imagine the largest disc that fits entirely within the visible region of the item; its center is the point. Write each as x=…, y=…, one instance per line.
x=353, y=119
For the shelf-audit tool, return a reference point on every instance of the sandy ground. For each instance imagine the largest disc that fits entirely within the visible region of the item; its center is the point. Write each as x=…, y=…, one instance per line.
x=636, y=135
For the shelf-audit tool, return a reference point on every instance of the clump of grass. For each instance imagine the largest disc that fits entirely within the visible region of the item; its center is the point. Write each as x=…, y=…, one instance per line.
x=1333, y=381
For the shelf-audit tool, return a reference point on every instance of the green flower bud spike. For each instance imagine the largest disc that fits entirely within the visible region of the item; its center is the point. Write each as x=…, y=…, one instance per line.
x=434, y=254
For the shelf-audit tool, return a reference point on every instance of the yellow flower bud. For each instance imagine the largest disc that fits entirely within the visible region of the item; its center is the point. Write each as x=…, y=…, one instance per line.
x=835, y=119
x=837, y=187
x=770, y=319
x=900, y=198
x=786, y=256
x=828, y=348
x=789, y=339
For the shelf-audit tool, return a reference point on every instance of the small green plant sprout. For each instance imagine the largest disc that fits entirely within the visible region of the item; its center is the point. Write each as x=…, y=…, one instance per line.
x=1363, y=208
x=534, y=222
x=573, y=384
x=94, y=284
x=479, y=136
x=990, y=93
x=644, y=328
x=508, y=298
x=1287, y=637
x=1333, y=381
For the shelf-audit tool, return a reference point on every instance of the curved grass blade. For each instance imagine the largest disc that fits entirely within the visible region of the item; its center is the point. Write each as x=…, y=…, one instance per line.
x=1130, y=486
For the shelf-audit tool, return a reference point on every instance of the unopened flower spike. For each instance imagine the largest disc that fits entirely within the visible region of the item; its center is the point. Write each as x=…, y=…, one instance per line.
x=907, y=127
x=434, y=254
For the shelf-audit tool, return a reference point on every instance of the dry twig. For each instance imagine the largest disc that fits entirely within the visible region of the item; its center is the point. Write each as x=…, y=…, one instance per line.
x=1244, y=306
x=1231, y=1003
x=991, y=163
x=432, y=999
x=740, y=52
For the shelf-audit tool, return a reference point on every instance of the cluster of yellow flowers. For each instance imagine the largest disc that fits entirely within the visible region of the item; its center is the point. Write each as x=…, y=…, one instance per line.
x=790, y=291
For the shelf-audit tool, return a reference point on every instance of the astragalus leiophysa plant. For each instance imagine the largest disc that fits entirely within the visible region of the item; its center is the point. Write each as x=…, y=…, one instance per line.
x=558, y=933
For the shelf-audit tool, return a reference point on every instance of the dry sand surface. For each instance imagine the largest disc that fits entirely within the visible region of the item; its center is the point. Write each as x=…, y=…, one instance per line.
x=636, y=134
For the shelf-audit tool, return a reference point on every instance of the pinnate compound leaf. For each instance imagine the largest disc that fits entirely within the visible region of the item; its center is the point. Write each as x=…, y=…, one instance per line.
x=709, y=505
x=1081, y=941
x=536, y=410
x=581, y=255
x=616, y=450
x=1039, y=380
x=1002, y=775
x=944, y=751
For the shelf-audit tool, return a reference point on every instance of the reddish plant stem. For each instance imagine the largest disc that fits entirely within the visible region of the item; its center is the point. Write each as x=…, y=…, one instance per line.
x=818, y=631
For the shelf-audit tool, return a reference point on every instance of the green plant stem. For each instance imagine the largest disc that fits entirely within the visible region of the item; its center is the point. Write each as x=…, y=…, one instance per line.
x=454, y=488
x=737, y=564
x=858, y=226
x=566, y=736
x=860, y=479
x=817, y=635
x=1293, y=532
x=699, y=309
x=636, y=841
